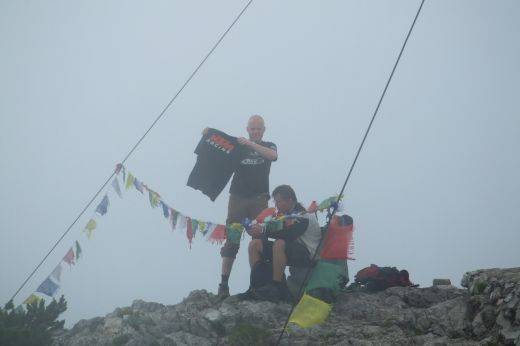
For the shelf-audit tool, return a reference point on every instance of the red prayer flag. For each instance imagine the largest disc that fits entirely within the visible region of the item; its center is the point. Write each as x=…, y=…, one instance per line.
x=69, y=257
x=189, y=230
x=218, y=235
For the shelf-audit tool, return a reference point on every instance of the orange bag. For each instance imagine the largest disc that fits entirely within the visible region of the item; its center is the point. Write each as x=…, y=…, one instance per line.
x=338, y=241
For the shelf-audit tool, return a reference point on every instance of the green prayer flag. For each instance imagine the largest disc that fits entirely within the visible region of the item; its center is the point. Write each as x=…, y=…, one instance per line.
x=194, y=226
x=156, y=199
x=326, y=204
x=78, y=250
x=327, y=274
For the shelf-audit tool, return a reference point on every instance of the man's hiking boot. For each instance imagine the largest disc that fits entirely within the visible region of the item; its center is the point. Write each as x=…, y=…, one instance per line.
x=223, y=291
x=247, y=295
x=273, y=292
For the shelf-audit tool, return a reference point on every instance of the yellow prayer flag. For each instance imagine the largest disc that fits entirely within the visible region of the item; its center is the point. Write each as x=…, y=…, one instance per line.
x=91, y=226
x=31, y=299
x=310, y=311
x=129, y=181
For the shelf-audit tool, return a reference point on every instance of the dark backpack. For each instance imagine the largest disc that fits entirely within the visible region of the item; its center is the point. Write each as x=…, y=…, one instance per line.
x=262, y=271
x=375, y=278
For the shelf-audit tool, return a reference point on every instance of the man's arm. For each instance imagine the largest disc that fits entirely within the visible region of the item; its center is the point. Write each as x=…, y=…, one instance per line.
x=291, y=232
x=266, y=153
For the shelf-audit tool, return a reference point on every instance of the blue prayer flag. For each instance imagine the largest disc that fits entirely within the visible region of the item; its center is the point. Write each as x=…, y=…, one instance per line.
x=48, y=287
x=103, y=206
x=165, y=209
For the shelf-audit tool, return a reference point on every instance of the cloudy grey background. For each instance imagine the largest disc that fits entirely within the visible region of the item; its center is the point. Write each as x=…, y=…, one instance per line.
x=435, y=191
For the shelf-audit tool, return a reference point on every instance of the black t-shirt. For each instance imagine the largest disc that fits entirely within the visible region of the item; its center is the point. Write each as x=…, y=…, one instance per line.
x=217, y=156
x=252, y=172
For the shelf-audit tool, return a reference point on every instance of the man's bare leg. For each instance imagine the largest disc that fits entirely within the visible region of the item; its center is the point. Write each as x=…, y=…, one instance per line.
x=255, y=251
x=279, y=260
x=227, y=265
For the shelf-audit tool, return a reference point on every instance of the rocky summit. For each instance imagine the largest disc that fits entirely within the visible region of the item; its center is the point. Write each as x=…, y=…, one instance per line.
x=485, y=312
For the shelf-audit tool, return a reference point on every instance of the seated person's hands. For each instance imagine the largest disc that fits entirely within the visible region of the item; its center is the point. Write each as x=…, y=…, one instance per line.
x=255, y=231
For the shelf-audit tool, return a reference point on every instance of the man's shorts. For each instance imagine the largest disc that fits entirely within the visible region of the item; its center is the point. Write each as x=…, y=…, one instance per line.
x=240, y=208
x=297, y=253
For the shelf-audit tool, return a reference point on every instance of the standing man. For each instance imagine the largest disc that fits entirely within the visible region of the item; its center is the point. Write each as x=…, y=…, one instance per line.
x=249, y=190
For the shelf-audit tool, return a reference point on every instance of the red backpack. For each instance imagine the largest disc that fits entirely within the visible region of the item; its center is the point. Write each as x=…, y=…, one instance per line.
x=375, y=278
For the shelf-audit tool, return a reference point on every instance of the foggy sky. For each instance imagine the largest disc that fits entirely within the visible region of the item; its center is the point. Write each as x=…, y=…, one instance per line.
x=435, y=190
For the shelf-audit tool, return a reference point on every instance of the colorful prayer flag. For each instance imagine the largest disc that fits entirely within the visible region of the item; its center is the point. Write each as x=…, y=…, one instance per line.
x=182, y=221
x=56, y=273
x=69, y=257
x=150, y=198
x=102, y=207
x=165, y=209
x=48, y=287
x=194, y=226
x=138, y=185
x=189, y=230
x=154, y=198
x=173, y=218
x=218, y=235
x=310, y=311
x=90, y=227
x=202, y=228
x=78, y=250
x=327, y=274
x=117, y=189
x=33, y=298
x=328, y=203
x=129, y=181
x=210, y=227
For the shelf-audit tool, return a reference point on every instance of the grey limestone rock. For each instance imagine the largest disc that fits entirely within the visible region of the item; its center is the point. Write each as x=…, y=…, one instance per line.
x=487, y=312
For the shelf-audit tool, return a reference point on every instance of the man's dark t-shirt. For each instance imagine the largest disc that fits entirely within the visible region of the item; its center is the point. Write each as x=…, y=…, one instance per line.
x=218, y=154
x=252, y=172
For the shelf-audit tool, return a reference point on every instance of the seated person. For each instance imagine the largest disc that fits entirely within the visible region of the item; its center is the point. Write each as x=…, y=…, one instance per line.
x=294, y=245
